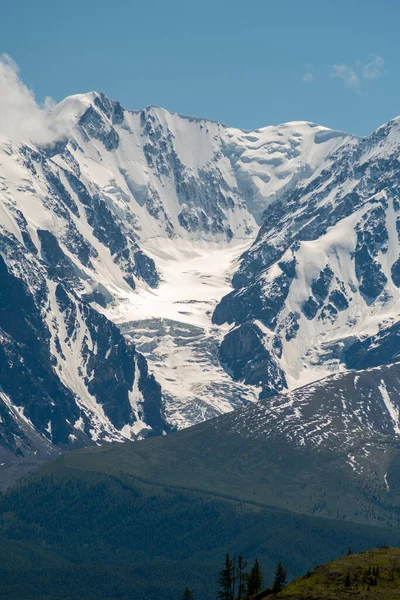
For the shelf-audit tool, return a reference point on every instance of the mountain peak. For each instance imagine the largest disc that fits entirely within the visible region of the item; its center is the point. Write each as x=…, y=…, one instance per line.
x=73, y=107
x=148, y=219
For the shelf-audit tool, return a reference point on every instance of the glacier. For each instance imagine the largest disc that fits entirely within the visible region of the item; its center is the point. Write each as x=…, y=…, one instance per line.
x=158, y=269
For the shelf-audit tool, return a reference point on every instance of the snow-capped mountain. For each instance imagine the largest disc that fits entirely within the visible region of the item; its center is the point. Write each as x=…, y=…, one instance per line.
x=157, y=270
x=121, y=235
x=318, y=291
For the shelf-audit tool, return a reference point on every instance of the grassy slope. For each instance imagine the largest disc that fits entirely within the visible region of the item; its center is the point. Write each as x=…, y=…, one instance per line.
x=327, y=582
x=212, y=458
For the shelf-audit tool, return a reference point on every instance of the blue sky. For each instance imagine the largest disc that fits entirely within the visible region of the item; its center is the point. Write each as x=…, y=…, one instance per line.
x=246, y=63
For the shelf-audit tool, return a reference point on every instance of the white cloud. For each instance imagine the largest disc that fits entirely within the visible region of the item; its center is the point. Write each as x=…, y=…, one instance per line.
x=348, y=75
x=358, y=75
x=374, y=68
x=307, y=78
x=21, y=117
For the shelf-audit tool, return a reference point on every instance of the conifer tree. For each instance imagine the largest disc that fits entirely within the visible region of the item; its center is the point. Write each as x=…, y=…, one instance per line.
x=187, y=594
x=226, y=580
x=241, y=577
x=254, y=579
x=280, y=578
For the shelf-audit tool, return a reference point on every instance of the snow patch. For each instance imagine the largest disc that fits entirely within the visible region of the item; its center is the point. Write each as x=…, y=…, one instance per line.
x=391, y=408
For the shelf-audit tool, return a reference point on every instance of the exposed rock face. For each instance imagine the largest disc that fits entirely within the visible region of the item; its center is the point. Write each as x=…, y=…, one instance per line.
x=128, y=231
x=339, y=307
x=245, y=357
x=66, y=371
x=76, y=218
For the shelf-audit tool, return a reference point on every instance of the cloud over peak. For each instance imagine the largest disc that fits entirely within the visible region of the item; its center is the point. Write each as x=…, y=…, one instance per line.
x=22, y=119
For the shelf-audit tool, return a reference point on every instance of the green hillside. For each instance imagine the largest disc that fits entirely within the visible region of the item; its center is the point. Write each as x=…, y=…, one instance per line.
x=94, y=537
x=146, y=519
x=373, y=575
x=218, y=457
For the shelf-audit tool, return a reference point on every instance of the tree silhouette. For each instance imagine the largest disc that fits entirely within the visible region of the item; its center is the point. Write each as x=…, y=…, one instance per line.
x=241, y=577
x=187, y=594
x=254, y=579
x=280, y=578
x=227, y=580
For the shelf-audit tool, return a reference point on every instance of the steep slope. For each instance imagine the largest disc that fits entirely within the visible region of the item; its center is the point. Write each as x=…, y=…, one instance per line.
x=318, y=292
x=134, y=218
x=68, y=377
x=193, y=191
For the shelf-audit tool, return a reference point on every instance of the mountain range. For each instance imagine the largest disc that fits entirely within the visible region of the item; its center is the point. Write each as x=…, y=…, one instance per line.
x=158, y=270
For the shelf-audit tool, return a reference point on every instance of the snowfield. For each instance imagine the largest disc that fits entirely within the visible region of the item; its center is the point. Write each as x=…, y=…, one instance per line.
x=172, y=268
x=171, y=325
x=194, y=276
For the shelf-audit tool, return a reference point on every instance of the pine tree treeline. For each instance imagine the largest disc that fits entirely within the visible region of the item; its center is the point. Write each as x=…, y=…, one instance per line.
x=235, y=583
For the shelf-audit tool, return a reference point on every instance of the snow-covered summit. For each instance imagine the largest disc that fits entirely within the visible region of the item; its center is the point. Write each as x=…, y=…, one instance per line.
x=191, y=176
x=318, y=291
x=122, y=236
